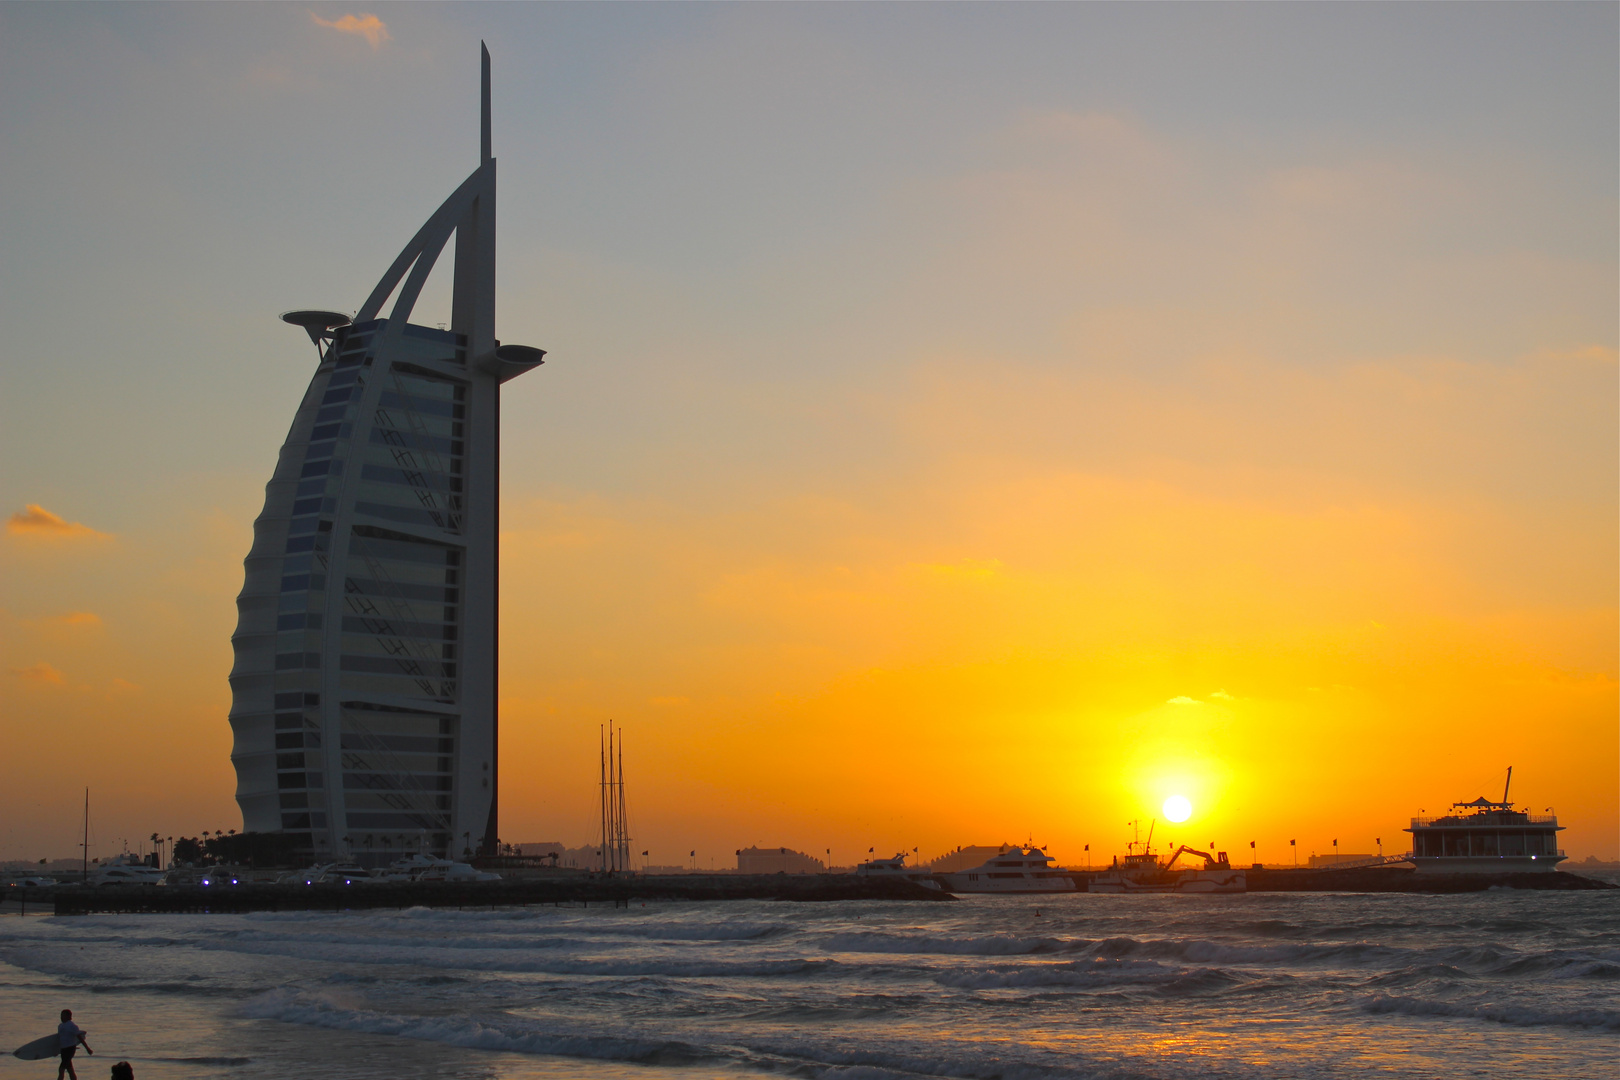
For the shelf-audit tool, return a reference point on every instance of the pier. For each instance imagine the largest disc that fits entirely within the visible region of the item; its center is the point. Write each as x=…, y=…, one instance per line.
x=572, y=890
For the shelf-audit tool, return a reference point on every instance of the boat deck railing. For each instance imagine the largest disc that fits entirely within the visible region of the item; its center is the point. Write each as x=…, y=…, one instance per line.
x=1471, y=822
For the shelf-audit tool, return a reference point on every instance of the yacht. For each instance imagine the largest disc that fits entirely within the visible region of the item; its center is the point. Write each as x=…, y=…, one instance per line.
x=896, y=867
x=129, y=872
x=1015, y=870
x=425, y=868
x=1485, y=837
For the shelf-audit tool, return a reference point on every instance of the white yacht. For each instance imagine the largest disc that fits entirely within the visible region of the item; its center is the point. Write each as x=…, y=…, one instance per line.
x=1015, y=870
x=896, y=867
x=128, y=873
x=426, y=868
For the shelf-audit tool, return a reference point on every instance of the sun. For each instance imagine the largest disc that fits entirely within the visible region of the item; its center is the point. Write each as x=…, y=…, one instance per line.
x=1177, y=808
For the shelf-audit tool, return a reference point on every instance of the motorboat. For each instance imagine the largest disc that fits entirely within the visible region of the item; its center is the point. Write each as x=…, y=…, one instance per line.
x=128, y=873
x=1015, y=870
x=444, y=870
x=896, y=867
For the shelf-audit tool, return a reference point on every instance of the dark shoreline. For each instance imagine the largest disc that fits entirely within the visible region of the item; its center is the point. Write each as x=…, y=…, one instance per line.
x=1406, y=880
x=571, y=890
x=584, y=889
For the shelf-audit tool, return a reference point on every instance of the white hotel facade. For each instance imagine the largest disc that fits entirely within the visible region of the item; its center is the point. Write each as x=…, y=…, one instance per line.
x=364, y=687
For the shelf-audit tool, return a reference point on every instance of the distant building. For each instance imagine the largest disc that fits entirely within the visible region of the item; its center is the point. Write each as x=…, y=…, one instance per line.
x=965, y=858
x=777, y=860
x=541, y=850
x=1317, y=862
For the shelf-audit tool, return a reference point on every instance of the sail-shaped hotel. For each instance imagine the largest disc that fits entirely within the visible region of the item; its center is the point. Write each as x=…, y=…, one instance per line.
x=364, y=688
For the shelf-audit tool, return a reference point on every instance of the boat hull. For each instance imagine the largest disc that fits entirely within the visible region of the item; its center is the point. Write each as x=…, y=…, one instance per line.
x=1027, y=885
x=1187, y=881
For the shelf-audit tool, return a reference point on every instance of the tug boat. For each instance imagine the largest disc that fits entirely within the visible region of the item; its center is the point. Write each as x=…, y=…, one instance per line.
x=1485, y=837
x=1015, y=870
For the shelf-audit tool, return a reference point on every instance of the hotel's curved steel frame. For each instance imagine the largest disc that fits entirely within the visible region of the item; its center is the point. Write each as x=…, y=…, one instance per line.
x=364, y=689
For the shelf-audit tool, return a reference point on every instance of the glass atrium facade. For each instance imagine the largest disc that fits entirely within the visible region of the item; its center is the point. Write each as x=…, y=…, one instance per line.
x=351, y=620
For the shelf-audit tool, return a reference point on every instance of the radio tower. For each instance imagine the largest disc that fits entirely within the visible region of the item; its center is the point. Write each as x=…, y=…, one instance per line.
x=615, y=825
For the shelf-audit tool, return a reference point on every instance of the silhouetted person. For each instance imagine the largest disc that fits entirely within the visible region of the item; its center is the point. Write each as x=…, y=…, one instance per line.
x=69, y=1037
x=123, y=1071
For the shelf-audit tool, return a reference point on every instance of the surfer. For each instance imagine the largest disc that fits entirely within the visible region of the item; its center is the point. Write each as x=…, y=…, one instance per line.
x=69, y=1036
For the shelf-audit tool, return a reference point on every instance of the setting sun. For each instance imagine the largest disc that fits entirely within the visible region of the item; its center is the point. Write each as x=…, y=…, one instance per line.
x=1177, y=808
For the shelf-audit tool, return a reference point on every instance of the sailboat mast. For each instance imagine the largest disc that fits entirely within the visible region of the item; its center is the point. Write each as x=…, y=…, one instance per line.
x=624, y=826
x=84, y=848
x=601, y=737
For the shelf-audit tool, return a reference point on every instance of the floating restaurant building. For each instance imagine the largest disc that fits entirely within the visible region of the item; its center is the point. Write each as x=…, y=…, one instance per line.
x=364, y=688
x=1485, y=837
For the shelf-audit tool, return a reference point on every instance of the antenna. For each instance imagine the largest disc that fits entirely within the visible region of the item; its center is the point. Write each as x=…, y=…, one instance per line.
x=1507, y=785
x=484, y=142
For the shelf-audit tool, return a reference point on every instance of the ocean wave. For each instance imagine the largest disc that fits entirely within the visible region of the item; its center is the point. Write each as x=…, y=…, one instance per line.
x=503, y=960
x=813, y=1057
x=902, y=1060
x=545, y=921
x=989, y=945
x=1516, y=1015
x=1084, y=974
x=1203, y=951
x=1097, y=975
x=509, y=1034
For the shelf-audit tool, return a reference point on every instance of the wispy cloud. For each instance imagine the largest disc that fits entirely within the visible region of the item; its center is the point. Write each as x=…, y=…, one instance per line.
x=1222, y=695
x=1183, y=700
x=35, y=520
x=40, y=673
x=78, y=618
x=369, y=27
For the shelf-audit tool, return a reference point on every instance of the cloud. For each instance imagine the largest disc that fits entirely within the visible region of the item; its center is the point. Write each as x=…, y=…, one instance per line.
x=35, y=520
x=124, y=685
x=1183, y=700
x=40, y=673
x=367, y=26
x=1222, y=695
x=78, y=618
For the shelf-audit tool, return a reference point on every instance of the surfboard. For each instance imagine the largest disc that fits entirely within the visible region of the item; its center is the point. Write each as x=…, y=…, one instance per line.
x=48, y=1047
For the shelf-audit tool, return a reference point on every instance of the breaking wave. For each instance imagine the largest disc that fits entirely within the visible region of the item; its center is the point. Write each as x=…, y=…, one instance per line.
x=1516, y=1015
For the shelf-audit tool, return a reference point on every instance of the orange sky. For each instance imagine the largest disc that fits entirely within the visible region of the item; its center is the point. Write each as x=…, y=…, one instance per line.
x=1083, y=451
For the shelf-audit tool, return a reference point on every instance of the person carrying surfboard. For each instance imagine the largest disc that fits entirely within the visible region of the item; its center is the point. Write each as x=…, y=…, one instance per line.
x=69, y=1037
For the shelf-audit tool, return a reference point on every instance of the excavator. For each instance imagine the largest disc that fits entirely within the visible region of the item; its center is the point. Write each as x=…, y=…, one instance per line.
x=1217, y=861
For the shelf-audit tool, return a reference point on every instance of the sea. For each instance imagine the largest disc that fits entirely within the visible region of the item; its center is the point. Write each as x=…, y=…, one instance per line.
x=1502, y=983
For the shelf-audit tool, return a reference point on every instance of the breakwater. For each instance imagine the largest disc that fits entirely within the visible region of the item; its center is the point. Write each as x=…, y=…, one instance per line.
x=570, y=890
x=1405, y=880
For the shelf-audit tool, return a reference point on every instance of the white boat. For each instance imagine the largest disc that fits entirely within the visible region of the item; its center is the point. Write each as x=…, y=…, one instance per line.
x=896, y=867
x=1142, y=872
x=1015, y=870
x=128, y=873
x=427, y=868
